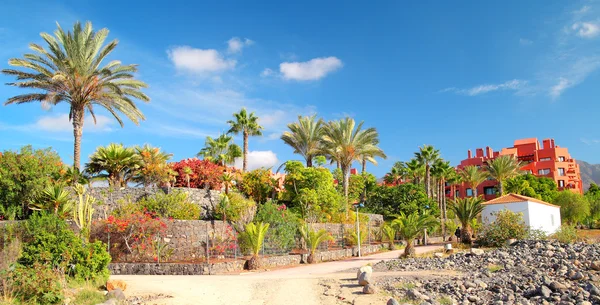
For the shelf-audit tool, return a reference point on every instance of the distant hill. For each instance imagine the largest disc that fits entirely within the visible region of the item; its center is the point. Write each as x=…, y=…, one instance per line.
x=589, y=173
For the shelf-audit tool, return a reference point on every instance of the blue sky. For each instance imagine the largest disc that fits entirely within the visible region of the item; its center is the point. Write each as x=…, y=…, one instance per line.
x=455, y=75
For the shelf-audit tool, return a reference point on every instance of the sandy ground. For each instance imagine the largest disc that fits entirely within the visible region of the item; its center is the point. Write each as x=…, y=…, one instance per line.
x=306, y=284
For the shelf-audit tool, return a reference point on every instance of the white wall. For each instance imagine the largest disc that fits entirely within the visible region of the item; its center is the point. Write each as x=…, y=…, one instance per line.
x=516, y=207
x=544, y=217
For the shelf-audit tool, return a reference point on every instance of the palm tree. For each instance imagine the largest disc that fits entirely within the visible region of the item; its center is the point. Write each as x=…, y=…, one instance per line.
x=313, y=240
x=473, y=177
x=70, y=71
x=441, y=170
x=371, y=157
x=56, y=199
x=415, y=170
x=397, y=174
x=116, y=163
x=228, y=181
x=187, y=171
x=410, y=226
x=467, y=209
x=346, y=142
x=427, y=155
x=247, y=125
x=516, y=186
x=502, y=168
x=389, y=234
x=304, y=137
x=254, y=235
x=220, y=150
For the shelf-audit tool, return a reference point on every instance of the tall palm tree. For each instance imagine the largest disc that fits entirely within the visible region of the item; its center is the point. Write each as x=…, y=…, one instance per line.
x=304, y=137
x=411, y=226
x=502, y=168
x=247, y=125
x=427, y=155
x=116, y=163
x=71, y=71
x=441, y=170
x=415, y=170
x=345, y=142
x=370, y=157
x=467, y=209
x=220, y=150
x=397, y=174
x=473, y=177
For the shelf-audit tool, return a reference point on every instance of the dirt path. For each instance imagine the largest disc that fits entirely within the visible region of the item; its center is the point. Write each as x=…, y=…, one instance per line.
x=305, y=284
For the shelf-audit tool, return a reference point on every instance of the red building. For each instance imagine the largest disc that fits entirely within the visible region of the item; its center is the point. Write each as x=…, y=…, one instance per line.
x=547, y=160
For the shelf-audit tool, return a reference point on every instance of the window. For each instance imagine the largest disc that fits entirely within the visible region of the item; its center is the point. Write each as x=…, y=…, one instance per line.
x=561, y=159
x=469, y=192
x=490, y=190
x=544, y=171
x=561, y=183
x=545, y=159
x=561, y=171
x=456, y=194
x=478, y=166
x=447, y=192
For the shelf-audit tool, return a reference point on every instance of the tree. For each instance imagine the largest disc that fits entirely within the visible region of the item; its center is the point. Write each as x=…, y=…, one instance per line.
x=220, y=150
x=411, y=226
x=304, y=137
x=502, y=168
x=441, y=171
x=426, y=156
x=153, y=165
x=388, y=234
x=187, y=172
x=24, y=174
x=473, y=177
x=313, y=240
x=542, y=188
x=574, y=207
x=254, y=236
x=116, y=163
x=397, y=174
x=415, y=171
x=70, y=71
x=407, y=198
x=345, y=142
x=247, y=125
x=256, y=184
x=55, y=199
x=467, y=209
x=593, y=197
x=370, y=157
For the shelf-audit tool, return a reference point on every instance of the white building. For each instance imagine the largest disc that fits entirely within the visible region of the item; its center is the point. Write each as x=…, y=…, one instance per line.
x=536, y=213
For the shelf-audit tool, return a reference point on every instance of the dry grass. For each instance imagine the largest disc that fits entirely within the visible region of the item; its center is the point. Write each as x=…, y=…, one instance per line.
x=590, y=235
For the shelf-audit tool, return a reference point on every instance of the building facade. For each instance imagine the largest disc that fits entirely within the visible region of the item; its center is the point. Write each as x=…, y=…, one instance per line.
x=546, y=160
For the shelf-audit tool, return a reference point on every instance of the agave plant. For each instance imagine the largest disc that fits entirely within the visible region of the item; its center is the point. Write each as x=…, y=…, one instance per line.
x=56, y=199
x=254, y=236
x=411, y=226
x=313, y=240
x=83, y=211
x=388, y=234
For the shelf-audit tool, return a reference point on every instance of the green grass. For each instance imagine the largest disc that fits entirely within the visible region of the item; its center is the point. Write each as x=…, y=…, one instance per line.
x=445, y=300
x=406, y=285
x=494, y=268
x=88, y=296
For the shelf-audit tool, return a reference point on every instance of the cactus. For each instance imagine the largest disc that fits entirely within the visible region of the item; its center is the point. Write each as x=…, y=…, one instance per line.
x=83, y=211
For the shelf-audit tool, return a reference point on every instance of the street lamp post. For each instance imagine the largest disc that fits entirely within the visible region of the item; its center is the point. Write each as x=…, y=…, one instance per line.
x=358, y=205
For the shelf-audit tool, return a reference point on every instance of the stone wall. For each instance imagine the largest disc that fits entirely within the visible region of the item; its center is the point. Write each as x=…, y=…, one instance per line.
x=109, y=198
x=233, y=265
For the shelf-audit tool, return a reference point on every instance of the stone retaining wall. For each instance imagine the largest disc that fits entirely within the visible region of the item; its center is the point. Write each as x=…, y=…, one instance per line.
x=231, y=266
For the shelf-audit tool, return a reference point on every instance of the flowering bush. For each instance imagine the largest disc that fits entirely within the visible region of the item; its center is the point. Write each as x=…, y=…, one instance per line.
x=203, y=173
x=284, y=225
x=507, y=225
x=135, y=234
x=225, y=243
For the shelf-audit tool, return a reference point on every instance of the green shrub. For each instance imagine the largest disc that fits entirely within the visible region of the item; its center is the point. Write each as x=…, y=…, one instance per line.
x=350, y=237
x=566, y=234
x=507, y=225
x=88, y=296
x=38, y=284
x=234, y=207
x=49, y=241
x=537, y=234
x=283, y=225
x=174, y=205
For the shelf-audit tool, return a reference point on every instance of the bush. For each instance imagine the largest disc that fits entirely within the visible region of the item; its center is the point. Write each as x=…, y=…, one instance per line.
x=574, y=208
x=537, y=234
x=39, y=284
x=283, y=225
x=205, y=174
x=567, y=234
x=236, y=208
x=257, y=184
x=23, y=176
x=173, y=205
x=49, y=241
x=507, y=225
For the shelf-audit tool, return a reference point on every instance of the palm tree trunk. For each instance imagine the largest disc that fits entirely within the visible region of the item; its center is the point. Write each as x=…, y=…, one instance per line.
x=245, y=165
x=409, y=250
x=309, y=162
x=465, y=234
x=427, y=181
x=364, y=166
x=345, y=183
x=77, y=119
x=500, y=190
x=442, y=218
x=475, y=191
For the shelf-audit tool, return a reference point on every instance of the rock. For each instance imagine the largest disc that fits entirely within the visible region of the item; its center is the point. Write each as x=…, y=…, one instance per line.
x=114, y=284
x=364, y=279
x=116, y=294
x=556, y=286
x=577, y=276
x=416, y=295
x=544, y=291
x=477, y=252
x=584, y=303
x=369, y=289
x=595, y=265
x=392, y=301
x=473, y=298
x=438, y=254
x=366, y=268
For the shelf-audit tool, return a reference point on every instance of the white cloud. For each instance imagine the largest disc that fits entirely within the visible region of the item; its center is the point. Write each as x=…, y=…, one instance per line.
x=514, y=85
x=258, y=159
x=557, y=90
x=582, y=10
x=266, y=72
x=61, y=123
x=198, y=60
x=525, y=42
x=574, y=74
x=589, y=141
x=235, y=44
x=313, y=69
x=586, y=29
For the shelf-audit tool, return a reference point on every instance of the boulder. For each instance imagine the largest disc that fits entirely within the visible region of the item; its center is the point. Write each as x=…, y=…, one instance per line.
x=392, y=301
x=595, y=265
x=544, y=291
x=364, y=279
x=369, y=289
x=365, y=268
x=416, y=295
x=116, y=294
x=476, y=252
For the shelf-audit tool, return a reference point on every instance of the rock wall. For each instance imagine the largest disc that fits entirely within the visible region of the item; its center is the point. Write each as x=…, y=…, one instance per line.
x=109, y=198
x=230, y=266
